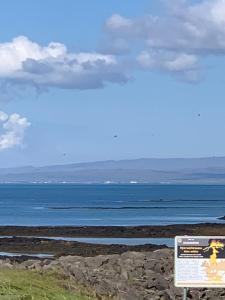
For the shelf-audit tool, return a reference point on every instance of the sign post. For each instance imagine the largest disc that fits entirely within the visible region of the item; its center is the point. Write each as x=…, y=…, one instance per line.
x=185, y=294
x=199, y=262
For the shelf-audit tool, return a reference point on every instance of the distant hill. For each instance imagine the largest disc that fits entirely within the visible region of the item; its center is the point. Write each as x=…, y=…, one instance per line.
x=208, y=170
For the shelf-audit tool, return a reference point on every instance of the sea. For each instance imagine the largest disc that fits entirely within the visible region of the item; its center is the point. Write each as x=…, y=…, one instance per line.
x=131, y=204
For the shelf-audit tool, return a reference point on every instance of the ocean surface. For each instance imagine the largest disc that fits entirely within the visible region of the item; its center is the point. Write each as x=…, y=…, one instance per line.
x=110, y=204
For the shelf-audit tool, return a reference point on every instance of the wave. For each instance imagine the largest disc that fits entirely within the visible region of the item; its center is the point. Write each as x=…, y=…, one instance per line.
x=123, y=207
x=39, y=207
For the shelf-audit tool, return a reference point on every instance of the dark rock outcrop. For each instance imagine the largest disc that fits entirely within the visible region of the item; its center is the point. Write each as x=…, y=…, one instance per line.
x=129, y=276
x=31, y=245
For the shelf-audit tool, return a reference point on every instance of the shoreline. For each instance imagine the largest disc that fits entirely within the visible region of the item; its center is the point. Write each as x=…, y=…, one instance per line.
x=98, y=268
x=57, y=248
x=130, y=275
x=37, y=240
x=148, y=231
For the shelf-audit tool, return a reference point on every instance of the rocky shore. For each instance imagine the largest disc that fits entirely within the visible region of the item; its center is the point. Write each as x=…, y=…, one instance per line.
x=126, y=276
x=167, y=231
x=107, y=271
x=61, y=247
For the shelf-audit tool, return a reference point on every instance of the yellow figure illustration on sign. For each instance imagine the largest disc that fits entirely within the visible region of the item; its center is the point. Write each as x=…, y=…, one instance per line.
x=213, y=268
x=215, y=246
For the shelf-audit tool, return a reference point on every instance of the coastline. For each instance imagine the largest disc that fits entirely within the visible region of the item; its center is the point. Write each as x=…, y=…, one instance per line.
x=59, y=248
x=40, y=239
x=148, y=231
x=143, y=271
x=130, y=275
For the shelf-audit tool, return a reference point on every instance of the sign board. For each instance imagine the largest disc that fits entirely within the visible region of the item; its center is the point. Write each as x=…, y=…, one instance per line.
x=200, y=261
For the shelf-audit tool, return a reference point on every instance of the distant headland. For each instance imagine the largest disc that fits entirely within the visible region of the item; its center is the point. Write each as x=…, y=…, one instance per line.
x=205, y=170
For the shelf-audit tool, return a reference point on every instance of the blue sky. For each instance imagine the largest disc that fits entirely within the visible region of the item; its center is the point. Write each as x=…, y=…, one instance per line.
x=156, y=112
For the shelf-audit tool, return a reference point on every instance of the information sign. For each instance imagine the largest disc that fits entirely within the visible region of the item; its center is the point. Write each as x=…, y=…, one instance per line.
x=200, y=261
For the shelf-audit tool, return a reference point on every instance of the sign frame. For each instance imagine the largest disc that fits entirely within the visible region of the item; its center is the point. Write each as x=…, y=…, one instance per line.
x=175, y=263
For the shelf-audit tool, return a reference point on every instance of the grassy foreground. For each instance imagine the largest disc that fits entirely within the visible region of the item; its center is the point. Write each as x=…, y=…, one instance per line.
x=32, y=285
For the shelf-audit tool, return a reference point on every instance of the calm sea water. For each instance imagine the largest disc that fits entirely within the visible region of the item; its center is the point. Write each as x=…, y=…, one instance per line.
x=110, y=204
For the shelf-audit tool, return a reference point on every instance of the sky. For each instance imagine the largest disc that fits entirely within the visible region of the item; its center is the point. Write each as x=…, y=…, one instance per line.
x=98, y=80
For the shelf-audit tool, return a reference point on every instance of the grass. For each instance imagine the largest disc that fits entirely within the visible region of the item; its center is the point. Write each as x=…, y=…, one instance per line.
x=33, y=285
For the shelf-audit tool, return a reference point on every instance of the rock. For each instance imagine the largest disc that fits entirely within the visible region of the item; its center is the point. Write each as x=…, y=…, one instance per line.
x=156, y=281
x=164, y=295
x=127, y=276
x=221, y=218
x=7, y=265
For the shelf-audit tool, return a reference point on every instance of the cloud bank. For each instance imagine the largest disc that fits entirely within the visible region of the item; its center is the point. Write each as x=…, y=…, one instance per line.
x=13, y=127
x=23, y=62
x=175, y=42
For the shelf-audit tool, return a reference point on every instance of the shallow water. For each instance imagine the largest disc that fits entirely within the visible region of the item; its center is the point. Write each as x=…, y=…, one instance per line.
x=110, y=204
x=107, y=241
x=123, y=241
x=39, y=255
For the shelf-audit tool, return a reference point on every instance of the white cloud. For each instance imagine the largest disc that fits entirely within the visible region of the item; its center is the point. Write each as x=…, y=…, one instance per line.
x=168, y=60
x=14, y=127
x=196, y=27
x=118, y=22
x=177, y=40
x=13, y=54
x=3, y=116
x=25, y=62
x=181, y=64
